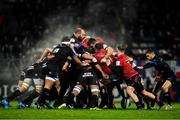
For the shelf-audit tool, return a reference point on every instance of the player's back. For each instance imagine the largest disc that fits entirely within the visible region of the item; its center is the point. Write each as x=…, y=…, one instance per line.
x=60, y=53
x=126, y=66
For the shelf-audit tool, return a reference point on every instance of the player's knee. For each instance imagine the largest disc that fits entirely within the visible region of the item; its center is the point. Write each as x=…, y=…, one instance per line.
x=130, y=90
x=95, y=91
x=24, y=87
x=76, y=90
x=123, y=86
x=166, y=86
x=38, y=88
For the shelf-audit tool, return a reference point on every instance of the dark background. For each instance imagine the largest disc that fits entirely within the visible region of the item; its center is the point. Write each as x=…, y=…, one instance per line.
x=154, y=23
x=27, y=26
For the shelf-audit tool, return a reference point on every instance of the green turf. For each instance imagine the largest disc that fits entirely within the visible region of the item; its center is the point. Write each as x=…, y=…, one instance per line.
x=131, y=113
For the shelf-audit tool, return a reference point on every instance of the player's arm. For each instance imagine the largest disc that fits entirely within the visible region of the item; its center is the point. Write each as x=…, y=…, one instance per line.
x=66, y=64
x=94, y=61
x=89, y=56
x=106, y=76
x=73, y=45
x=45, y=54
x=130, y=59
x=148, y=65
x=77, y=60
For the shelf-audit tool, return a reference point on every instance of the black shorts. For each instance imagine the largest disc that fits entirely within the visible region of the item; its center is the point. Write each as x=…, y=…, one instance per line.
x=112, y=79
x=52, y=71
x=34, y=74
x=87, y=77
x=135, y=82
x=160, y=83
x=171, y=78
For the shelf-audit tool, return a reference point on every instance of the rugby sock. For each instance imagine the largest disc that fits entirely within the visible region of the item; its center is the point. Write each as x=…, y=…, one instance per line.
x=94, y=101
x=138, y=103
x=158, y=101
x=70, y=99
x=30, y=98
x=44, y=95
x=14, y=95
x=104, y=99
x=152, y=103
x=140, y=100
x=53, y=94
x=168, y=98
x=147, y=101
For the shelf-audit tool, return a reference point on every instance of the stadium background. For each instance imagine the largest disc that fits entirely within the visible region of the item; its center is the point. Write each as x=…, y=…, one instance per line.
x=28, y=26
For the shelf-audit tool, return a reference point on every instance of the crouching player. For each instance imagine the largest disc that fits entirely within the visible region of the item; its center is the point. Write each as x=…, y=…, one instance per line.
x=165, y=76
x=33, y=75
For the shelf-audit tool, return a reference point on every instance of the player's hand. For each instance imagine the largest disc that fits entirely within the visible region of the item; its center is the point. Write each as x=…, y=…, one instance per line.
x=39, y=61
x=64, y=69
x=103, y=61
x=84, y=64
x=105, y=76
x=140, y=67
x=76, y=45
x=129, y=59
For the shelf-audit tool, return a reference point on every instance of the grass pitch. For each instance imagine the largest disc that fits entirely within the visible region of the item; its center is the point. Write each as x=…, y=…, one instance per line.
x=131, y=113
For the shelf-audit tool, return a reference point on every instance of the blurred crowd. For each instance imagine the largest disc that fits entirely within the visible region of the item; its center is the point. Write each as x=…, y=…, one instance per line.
x=141, y=24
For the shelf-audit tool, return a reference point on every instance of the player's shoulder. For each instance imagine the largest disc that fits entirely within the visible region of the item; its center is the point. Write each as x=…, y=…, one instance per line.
x=124, y=56
x=159, y=59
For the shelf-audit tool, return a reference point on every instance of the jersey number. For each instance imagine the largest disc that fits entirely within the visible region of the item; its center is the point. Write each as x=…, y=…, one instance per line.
x=56, y=50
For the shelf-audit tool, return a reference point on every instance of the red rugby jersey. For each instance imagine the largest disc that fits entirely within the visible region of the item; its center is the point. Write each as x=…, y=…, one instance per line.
x=122, y=61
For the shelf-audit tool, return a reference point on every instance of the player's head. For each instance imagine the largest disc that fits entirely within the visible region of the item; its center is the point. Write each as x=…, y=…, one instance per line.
x=150, y=54
x=98, y=46
x=92, y=42
x=65, y=40
x=121, y=47
x=79, y=33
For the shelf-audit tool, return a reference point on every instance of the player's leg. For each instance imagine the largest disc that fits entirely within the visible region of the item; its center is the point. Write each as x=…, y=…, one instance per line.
x=63, y=88
x=25, y=85
x=38, y=89
x=49, y=81
x=95, y=95
x=122, y=89
x=131, y=93
x=166, y=94
x=153, y=97
x=110, y=87
x=140, y=89
x=103, y=95
x=155, y=91
x=70, y=99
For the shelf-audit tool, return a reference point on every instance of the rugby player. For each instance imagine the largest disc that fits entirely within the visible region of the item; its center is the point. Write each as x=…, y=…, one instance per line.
x=31, y=75
x=133, y=80
x=54, y=65
x=165, y=76
x=87, y=78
